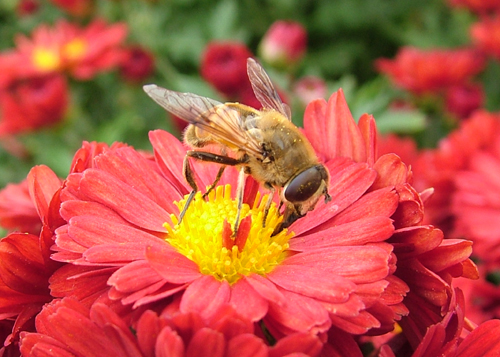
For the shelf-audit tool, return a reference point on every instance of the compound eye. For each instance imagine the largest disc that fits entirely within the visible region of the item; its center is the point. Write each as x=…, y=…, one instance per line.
x=304, y=185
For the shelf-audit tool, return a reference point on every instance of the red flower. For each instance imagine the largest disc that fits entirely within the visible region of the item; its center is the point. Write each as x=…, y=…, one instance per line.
x=224, y=66
x=80, y=8
x=463, y=100
x=32, y=103
x=25, y=266
x=476, y=201
x=284, y=44
x=486, y=36
x=430, y=71
x=66, y=47
x=67, y=327
x=17, y=211
x=27, y=7
x=137, y=64
x=479, y=6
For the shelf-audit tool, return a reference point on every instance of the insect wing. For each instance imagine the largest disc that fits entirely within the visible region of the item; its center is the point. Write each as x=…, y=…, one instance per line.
x=187, y=106
x=221, y=121
x=264, y=89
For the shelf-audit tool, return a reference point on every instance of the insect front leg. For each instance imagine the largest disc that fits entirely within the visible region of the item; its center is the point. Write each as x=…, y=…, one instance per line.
x=208, y=157
x=239, y=199
x=268, y=202
x=188, y=175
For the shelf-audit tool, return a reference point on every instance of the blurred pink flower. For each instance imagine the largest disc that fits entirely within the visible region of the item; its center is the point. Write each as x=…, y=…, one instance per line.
x=284, y=44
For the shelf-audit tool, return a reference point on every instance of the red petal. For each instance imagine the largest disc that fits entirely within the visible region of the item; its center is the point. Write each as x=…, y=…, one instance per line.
x=318, y=284
x=247, y=302
x=171, y=265
x=247, y=345
x=297, y=344
x=482, y=342
x=360, y=232
x=298, y=313
x=169, y=344
x=132, y=205
x=205, y=296
x=169, y=154
x=206, y=342
x=360, y=264
x=265, y=288
x=43, y=184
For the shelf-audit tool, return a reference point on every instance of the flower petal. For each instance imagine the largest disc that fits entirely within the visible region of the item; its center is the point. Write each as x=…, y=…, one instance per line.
x=319, y=284
x=135, y=207
x=205, y=296
x=362, y=231
x=171, y=265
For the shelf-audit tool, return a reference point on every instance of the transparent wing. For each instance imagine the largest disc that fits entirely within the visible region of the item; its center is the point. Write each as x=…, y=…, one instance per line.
x=222, y=121
x=264, y=89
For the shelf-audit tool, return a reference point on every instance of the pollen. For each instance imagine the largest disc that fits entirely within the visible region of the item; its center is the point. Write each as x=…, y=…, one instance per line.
x=75, y=49
x=46, y=59
x=205, y=236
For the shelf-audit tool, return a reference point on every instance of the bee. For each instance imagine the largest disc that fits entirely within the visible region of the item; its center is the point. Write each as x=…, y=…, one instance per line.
x=265, y=144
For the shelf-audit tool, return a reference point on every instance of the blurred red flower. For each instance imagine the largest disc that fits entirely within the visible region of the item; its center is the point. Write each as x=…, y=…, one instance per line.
x=32, y=103
x=478, y=6
x=476, y=200
x=82, y=52
x=27, y=7
x=79, y=8
x=429, y=71
x=17, y=211
x=463, y=100
x=486, y=36
x=137, y=64
x=284, y=44
x=224, y=66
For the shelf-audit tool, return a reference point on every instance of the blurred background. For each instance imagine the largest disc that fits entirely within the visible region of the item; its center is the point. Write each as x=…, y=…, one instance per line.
x=95, y=92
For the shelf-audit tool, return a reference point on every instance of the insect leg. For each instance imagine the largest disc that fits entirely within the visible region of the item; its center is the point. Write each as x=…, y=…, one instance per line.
x=188, y=172
x=268, y=202
x=216, y=181
x=239, y=198
x=188, y=175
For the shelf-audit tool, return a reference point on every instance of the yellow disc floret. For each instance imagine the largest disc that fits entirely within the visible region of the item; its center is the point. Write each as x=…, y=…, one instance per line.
x=46, y=59
x=202, y=236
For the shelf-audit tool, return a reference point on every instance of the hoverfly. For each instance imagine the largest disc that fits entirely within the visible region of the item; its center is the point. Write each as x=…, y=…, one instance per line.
x=266, y=145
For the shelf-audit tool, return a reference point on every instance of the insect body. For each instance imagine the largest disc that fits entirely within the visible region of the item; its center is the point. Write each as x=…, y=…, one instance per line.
x=266, y=144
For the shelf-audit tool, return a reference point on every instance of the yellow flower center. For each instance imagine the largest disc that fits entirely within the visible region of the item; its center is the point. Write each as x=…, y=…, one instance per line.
x=75, y=49
x=205, y=236
x=45, y=59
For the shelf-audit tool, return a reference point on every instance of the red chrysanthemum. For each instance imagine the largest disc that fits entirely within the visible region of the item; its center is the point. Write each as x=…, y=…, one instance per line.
x=66, y=327
x=420, y=71
x=33, y=103
x=462, y=101
x=476, y=201
x=78, y=8
x=67, y=47
x=336, y=270
x=25, y=264
x=478, y=6
x=137, y=64
x=486, y=36
x=224, y=66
